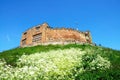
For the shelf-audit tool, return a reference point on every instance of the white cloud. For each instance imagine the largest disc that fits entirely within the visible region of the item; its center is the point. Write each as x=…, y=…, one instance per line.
x=8, y=38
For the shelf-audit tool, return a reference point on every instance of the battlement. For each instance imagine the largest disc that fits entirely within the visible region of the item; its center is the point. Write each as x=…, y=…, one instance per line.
x=44, y=35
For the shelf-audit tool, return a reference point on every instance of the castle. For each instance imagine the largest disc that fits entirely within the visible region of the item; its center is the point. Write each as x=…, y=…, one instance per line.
x=44, y=35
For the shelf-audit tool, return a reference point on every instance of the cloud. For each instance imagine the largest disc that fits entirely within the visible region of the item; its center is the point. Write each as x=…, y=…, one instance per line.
x=8, y=38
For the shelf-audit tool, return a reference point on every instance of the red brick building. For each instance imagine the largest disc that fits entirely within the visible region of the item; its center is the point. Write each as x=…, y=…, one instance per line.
x=43, y=35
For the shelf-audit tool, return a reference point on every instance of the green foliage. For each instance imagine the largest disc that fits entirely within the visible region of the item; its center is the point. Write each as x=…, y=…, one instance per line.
x=11, y=56
x=60, y=62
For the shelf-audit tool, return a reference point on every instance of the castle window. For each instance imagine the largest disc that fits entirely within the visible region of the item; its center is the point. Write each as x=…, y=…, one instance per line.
x=37, y=37
x=37, y=28
x=86, y=34
x=23, y=41
x=25, y=33
x=88, y=40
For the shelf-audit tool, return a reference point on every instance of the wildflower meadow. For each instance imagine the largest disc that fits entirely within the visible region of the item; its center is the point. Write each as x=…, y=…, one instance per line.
x=60, y=64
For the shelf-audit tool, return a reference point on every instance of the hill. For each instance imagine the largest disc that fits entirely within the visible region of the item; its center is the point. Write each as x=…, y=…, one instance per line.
x=60, y=62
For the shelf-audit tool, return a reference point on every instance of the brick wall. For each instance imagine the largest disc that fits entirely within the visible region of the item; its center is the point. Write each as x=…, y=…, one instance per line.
x=52, y=36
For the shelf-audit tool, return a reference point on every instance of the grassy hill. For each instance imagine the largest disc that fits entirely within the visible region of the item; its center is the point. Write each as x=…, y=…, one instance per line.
x=60, y=62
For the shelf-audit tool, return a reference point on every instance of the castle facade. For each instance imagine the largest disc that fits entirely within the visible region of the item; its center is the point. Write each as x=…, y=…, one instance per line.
x=44, y=35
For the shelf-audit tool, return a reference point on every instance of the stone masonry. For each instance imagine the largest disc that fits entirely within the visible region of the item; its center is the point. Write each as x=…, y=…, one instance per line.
x=44, y=35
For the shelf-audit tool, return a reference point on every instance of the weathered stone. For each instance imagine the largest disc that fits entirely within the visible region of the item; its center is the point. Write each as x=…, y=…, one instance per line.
x=44, y=35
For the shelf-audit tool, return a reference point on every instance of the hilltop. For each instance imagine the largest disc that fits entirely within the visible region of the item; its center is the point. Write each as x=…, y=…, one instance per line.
x=56, y=62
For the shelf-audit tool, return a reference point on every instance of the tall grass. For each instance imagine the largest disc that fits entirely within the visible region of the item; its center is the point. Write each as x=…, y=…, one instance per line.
x=56, y=62
x=67, y=64
x=11, y=56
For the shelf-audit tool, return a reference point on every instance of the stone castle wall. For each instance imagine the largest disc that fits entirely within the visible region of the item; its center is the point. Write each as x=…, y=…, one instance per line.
x=43, y=34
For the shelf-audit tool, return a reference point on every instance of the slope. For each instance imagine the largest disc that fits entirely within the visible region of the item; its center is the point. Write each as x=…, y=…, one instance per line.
x=56, y=62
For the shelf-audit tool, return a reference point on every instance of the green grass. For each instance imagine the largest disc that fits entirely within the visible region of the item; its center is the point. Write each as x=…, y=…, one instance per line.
x=113, y=73
x=12, y=55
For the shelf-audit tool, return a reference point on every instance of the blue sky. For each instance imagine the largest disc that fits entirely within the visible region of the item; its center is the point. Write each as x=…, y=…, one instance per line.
x=101, y=17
